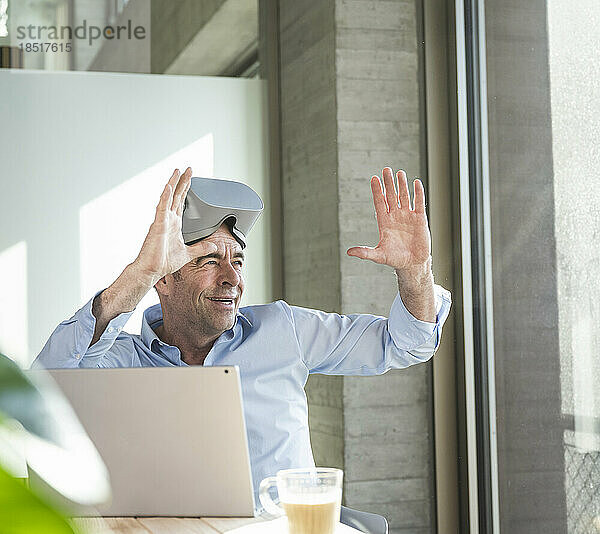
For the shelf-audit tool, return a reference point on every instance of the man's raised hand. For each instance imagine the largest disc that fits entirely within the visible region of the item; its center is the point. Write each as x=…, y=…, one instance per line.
x=164, y=251
x=404, y=240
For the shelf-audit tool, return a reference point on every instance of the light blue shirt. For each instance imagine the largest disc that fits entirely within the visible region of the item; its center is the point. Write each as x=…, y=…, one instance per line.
x=276, y=347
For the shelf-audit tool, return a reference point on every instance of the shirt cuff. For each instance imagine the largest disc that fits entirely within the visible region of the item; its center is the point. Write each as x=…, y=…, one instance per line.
x=410, y=333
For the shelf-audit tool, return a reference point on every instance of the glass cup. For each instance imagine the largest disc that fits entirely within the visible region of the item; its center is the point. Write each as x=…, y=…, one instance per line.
x=309, y=497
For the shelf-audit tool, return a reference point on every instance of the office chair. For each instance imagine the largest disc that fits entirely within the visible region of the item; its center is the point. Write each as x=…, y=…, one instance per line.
x=364, y=521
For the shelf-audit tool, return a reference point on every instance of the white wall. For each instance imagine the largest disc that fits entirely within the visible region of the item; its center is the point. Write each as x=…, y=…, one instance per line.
x=83, y=158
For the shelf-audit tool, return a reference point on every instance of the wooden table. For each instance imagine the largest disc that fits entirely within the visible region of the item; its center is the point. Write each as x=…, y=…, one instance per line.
x=161, y=525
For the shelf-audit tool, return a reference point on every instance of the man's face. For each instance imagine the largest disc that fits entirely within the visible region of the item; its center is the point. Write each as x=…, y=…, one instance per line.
x=209, y=288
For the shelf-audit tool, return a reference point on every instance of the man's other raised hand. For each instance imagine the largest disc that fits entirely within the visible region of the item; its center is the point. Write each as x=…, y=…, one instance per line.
x=404, y=240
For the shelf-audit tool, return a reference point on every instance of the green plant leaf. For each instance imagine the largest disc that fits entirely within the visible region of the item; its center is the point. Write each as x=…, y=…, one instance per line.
x=23, y=512
x=20, y=399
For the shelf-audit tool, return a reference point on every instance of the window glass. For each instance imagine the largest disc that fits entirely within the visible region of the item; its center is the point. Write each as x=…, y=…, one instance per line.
x=544, y=139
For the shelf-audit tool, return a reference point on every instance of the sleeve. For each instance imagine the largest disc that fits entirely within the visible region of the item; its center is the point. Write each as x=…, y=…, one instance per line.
x=362, y=344
x=69, y=344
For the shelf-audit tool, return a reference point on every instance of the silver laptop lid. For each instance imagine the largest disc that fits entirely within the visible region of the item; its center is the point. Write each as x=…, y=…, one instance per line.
x=173, y=439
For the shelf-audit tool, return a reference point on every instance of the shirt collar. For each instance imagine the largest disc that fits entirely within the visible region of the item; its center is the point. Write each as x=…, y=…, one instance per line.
x=152, y=318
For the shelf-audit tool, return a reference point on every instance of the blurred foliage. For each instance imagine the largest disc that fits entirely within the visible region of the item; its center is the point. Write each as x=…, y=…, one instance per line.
x=24, y=512
x=21, y=400
x=40, y=412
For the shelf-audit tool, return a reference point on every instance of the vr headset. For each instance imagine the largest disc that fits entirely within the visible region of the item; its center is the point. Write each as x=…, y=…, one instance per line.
x=211, y=202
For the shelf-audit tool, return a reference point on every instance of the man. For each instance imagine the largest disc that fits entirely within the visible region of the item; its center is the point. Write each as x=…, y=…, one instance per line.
x=275, y=345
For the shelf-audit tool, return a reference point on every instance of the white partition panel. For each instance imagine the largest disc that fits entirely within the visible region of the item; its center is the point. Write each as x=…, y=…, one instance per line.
x=83, y=158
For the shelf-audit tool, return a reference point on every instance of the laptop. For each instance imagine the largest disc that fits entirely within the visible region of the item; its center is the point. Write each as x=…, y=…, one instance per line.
x=173, y=439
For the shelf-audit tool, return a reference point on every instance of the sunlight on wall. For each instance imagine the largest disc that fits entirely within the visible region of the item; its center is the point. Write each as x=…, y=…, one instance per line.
x=13, y=303
x=113, y=226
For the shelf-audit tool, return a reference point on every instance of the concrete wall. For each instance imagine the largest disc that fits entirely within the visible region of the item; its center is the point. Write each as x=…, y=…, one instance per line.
x=388, y=444
x=223, y=43
x=350, y=105
x=174, y=25
x=309, y=186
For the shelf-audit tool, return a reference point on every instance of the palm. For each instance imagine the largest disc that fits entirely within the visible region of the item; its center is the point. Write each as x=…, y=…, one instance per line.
x=404, y=239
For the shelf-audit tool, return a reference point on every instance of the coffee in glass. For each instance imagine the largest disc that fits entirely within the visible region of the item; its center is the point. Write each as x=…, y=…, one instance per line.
x=310, y=498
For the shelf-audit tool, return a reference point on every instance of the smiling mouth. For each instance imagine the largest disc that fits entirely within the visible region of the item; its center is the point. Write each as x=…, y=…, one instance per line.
x=221, y=300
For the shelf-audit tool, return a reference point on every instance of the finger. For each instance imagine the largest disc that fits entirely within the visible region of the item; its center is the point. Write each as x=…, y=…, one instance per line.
x=403, y=190
x=181, y=205
x=173, y=181
x=378, y=198
x=170, y=184
x=165, y=197
x=161, y=208
x=181, y=190
x=390, y=190
x=419, y=196
x=366, y=253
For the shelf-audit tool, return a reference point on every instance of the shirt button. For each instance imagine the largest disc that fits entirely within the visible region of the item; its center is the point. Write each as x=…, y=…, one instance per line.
x=78, y=356
x=110, y=330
